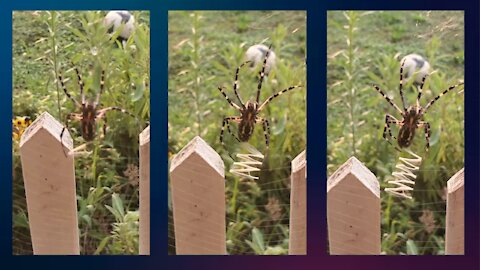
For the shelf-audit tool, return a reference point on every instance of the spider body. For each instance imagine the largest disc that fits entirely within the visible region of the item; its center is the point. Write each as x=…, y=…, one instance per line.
x=89, y=109
x=247, y=121
x=88, y=123
x=411, y=116
x=250, y=110
x=407, y=130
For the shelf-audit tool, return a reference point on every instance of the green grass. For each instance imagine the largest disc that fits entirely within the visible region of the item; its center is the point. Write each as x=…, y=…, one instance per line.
x=356, y=112
x=47, y=43
x=205, y=48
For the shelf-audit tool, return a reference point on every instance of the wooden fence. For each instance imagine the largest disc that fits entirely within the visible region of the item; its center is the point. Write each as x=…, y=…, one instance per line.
x=197, y=176
x=49, y=179
x=353, y=211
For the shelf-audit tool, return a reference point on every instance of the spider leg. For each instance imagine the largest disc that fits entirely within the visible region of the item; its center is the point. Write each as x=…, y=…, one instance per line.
x=388, y=99
x=420, y=90
x=389, y=119
x=235, y=84
x=101, y=114
x=425, y=125
x=104, y=127
x=102, y=86
x=262, y=73
x=70, y=116
x=266, y=129
x=221, y=89
x=401, y=86
x=62, y=83
x=80, y=83
x=276, y=95
x=441, y=94
x=226, y=122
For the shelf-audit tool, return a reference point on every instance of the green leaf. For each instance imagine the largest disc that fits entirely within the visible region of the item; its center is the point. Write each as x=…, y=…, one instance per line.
x=87, y=219
x=411, y=247
x=257, y=238
x=117, y=203
x=278, y=250
x=79, y=34
x=137, y=94
x=102, y=245
x=280, y=126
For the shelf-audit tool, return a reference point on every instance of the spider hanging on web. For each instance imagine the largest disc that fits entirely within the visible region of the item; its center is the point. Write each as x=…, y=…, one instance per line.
x=89, y=111
x=250, y=110
x=412, y=116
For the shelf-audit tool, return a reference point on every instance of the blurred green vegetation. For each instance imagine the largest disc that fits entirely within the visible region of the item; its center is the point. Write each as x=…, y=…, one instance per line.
x=364, y=48
x=46, y=43
x=205, y=48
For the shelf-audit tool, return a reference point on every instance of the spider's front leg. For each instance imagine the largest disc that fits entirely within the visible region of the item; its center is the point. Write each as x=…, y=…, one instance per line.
x=439, y=96
x=233, y=104
x=266, y=129
x=226, y=122
x=276, y=95
x=389, y=100
x=389, y=119
x=426, y=126
x=262, y=73
x=235, y=83
x=102, y=112
x=62, y=83
x=70, y=116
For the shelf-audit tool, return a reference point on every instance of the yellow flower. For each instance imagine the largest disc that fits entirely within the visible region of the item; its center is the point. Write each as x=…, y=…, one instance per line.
x=19, y=124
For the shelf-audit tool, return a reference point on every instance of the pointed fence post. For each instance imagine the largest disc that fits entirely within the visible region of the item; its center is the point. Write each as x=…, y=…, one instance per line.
x=197, y=178
x=144, y=241
x=298, y=207
x=353, y=210
x=49, y=179
x=455, y=228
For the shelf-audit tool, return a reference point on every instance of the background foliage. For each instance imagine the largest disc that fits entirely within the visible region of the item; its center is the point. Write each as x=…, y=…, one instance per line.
x=364, y=48
x=46, y=43
x=205, y=48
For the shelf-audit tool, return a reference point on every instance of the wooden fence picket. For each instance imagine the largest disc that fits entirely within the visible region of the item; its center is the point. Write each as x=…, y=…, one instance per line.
x=197, y=176
x=353, y=210
x=298, y=207
x=49, y=179
x=455, y=228
x=144, y=239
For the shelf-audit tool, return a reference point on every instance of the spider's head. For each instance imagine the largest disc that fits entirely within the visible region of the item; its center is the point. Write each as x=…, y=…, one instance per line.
x=414, y=111
x=249, y=113
x=251, y=106
x=89, y=112
x=413, y=115
x=88, y=105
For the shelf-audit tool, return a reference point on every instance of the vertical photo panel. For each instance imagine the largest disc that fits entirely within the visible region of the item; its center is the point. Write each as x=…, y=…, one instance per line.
x=395, y=134
x=81, y=184
x=237, y=132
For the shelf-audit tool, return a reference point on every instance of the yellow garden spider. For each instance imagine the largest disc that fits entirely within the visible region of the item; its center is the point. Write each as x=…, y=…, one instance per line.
x=89, y=111
x=249, y=111
x=411, y=116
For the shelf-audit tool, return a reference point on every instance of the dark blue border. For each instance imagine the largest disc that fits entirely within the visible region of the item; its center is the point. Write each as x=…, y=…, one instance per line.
x=316, y=134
